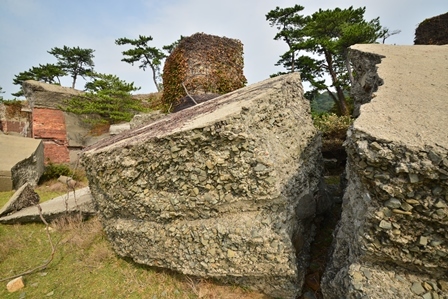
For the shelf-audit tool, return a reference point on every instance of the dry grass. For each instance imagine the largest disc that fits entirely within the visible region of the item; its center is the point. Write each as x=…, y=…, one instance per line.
x=85, y=266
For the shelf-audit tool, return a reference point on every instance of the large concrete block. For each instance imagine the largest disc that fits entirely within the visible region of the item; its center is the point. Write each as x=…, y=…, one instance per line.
x=392, y=237
x=21, y=161
x=225, y=189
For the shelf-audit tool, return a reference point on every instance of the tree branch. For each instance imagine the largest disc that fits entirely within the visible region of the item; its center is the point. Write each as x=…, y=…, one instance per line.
x=189, y=94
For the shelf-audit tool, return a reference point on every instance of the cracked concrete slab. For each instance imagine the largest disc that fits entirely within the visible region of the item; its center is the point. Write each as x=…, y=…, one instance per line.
x=79, y=201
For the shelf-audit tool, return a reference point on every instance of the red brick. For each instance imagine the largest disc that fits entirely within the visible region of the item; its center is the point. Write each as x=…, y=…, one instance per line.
x=49, y=125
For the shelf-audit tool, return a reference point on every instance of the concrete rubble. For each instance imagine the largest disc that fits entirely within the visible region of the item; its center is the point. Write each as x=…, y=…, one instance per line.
x=23, y=198
x=21, y=161
x=78, y=202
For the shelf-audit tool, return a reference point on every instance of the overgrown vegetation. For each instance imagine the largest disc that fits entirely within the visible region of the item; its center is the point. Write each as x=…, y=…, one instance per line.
x=326, y=36
x=107, y=97
x=53, y=171
x=216, y=62
x=333, y=128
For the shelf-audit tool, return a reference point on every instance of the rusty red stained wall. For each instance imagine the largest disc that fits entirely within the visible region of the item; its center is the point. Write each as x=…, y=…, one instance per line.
x=15, y=121
x=49, y=125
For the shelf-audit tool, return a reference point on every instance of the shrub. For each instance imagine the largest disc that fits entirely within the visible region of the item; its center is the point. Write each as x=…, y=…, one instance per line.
x=334, y=129
x=53, y=171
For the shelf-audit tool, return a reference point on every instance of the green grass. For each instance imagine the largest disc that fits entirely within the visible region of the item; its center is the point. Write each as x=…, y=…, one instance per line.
x=85, y=266
x=4, y=197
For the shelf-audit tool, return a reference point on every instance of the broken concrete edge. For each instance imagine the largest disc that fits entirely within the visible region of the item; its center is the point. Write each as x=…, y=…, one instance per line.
x=223, y=190
x=79, y=203
x=22, y=161
x=30, y=169
x=395, y=212
x=17, y=202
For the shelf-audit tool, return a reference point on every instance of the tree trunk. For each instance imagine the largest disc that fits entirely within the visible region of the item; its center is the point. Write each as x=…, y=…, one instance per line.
x=343, y=109
x=154, y=78
x=74, y=81
x=341, y=102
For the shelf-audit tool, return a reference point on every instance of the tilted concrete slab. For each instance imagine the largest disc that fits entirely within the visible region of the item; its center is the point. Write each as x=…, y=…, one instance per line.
x=78, y=202
x=391, y=241
x=21, y=161
x=411, y=107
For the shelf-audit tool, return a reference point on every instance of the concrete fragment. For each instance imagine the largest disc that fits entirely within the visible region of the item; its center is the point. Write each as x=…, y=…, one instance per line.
x=21, y=161
x=22, y=198
x=15, y=284
x=78, y=202
x=119, y=128
x=67, y=181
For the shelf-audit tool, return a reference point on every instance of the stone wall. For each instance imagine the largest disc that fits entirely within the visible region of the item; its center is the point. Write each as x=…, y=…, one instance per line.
x=392, y=238
x=226, y=189
x=63, y=134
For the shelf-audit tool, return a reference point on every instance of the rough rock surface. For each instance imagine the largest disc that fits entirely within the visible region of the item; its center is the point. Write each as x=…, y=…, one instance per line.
x=432, y=31
x=22, y=198
x=44, y=95
x=146, y=118
x=225, y=189
x=392, y=238
x=21, y=161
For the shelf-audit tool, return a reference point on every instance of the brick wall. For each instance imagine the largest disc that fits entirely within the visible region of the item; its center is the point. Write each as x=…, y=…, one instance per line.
x=49, y=125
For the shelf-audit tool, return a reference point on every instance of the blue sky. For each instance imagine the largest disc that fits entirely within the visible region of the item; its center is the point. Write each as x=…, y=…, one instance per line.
x=30, y=28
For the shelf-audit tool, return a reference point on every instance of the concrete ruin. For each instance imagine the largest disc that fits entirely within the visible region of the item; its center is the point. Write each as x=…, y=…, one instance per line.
x=392, y=238
x=24, y=197
x=203, y=64
x=21, y=161
x=226, y=189
x=15, y=119
x=432, y=31
x=63, y=134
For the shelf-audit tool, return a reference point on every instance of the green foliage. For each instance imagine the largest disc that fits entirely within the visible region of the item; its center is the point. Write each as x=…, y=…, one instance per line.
x=1, y=91
x=53, y=171
x=107, y=97
x=322, y=103
x=330, y=123
x=147, y=56
x=326, y=35
x=334, y=130
x=48, y=73
x=111, y=106
x=103, y=82
x=74, y=61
